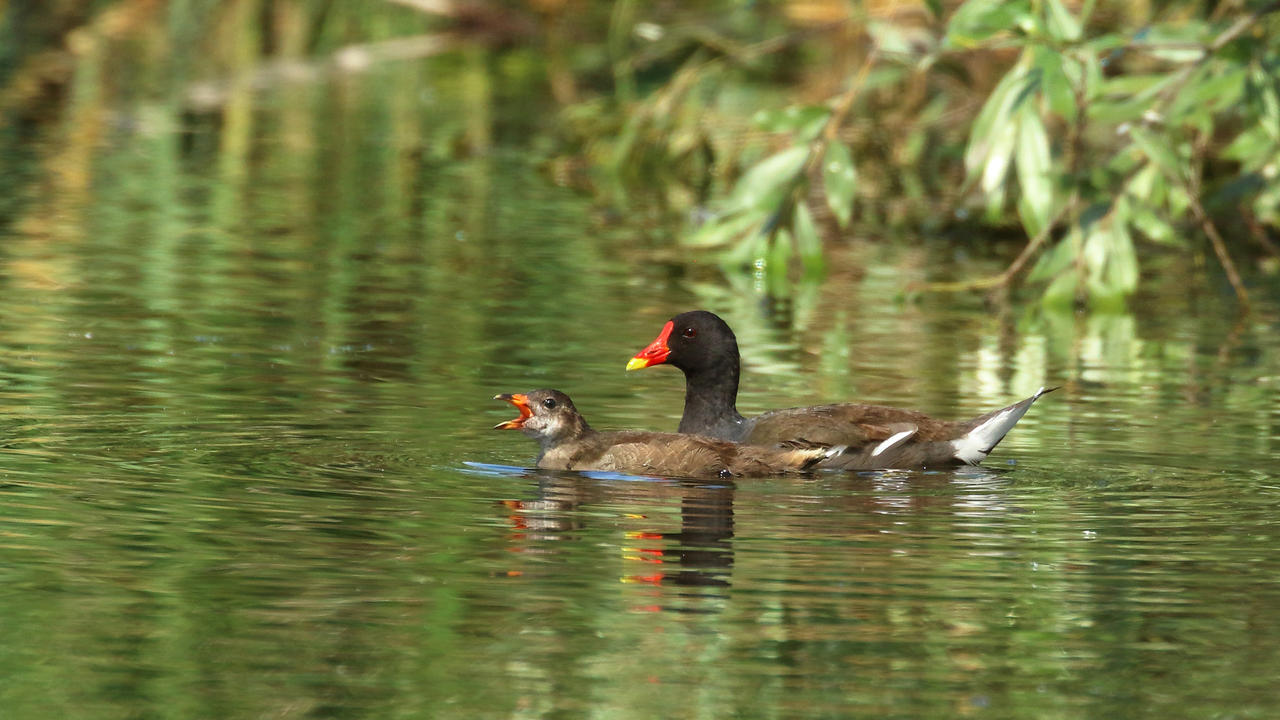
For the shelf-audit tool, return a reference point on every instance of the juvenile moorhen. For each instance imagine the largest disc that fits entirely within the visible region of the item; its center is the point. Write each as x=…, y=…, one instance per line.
x=705, y=349
x=568, y=443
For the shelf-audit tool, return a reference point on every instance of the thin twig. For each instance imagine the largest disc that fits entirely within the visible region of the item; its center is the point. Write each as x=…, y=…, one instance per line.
x=1191, y=184
x=1259, y=233
x=1237, y=28
x=845, y=104
x=1015, y=267
x=725, y=52
x=1069, y=208
x=693, y=70
x=1220, y=249
x=819, y=146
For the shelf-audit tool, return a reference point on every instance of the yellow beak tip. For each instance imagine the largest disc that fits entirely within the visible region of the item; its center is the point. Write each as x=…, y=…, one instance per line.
x=636, y=363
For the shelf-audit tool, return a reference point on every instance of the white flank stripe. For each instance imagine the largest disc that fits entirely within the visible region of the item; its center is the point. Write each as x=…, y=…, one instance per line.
x=893, y=440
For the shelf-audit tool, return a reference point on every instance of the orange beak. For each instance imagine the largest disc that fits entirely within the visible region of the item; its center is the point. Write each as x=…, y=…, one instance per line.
x=521, y=403
x=656, y=353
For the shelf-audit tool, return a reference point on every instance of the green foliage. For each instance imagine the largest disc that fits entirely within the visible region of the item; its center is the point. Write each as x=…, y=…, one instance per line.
x=839, y=179
x=1096, y=139
x=762, y=214
x=790, y=124
x=1135, y=144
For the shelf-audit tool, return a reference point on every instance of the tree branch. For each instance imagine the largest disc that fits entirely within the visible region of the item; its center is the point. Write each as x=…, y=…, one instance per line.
x=1220, y=249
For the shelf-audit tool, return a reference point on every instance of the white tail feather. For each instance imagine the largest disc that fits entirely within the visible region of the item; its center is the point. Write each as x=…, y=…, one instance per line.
x=976, y=444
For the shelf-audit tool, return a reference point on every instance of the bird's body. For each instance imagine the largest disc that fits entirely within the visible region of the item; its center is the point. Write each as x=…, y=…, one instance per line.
x=569, y=443
x=703, y=346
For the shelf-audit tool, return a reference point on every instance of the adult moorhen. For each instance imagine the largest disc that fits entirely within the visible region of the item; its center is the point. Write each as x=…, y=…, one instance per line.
x=568, y=443
x=703, y=346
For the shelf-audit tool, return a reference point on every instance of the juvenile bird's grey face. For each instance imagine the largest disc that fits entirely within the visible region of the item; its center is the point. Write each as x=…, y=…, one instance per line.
x=545, y=415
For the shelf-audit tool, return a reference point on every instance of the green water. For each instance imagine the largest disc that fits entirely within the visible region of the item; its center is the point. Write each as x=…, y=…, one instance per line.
x=247, y=471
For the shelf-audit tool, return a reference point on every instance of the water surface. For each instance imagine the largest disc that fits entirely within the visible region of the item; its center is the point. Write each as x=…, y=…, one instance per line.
x=247, y=469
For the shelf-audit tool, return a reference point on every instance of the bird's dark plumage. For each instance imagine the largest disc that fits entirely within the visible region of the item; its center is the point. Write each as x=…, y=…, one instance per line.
x=569, y=443
x=705, y=349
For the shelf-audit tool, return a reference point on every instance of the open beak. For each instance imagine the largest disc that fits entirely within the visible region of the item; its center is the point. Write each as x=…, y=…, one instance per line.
x=521, y=403
x=656, y=353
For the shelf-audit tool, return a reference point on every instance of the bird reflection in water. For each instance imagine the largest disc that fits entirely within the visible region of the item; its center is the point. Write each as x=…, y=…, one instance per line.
x=699, y=554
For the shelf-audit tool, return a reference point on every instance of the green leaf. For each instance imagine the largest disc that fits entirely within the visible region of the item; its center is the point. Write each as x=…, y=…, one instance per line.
x=1057, y=259
x=884, y=76
x=1057, y=85
x=1110, y=258
x=889, y=37
x=764, y=185
x=1034, y=164
x=1179, y=201
x=1061, y=25
x=723, y=229
x=1159, y=153
x=839, y=179
x=1262, y=86
x=1094, y=252
x=1154, y=228
x=1122, y=268
x=1180, y=42
x=1061, y=292
x=994, y=132
x=1209, y=90
x=1105, y=43
x=980, y=134
x=803, y=121
x=1108, y=112
x=1147, y=84
x=978, y=20
x=1027, y=214
x=905, y=41
x=993, y=208
x=995, y=109
x=777, y=284
x=1149, y=187
x=1126, y=99
x=808, y=242
x=749, y=252
x=1103, y=172
x=999, y=153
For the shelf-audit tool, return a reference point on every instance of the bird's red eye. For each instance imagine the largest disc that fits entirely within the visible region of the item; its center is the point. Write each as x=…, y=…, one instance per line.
x=689, y=333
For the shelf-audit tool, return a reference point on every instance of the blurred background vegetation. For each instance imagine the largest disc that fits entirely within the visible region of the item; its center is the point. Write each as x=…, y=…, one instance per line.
x=1078, y=140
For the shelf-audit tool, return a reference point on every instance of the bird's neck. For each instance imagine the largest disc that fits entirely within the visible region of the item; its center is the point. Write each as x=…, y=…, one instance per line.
x=575, y=430
x=710, y=403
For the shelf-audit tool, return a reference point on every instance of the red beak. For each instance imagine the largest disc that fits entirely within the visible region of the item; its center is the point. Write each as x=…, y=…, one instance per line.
x=521, y=402
x=656, y=353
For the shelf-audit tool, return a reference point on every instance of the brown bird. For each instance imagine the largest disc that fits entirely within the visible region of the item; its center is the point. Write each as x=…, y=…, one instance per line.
x=705, y=349
x=569, y=443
